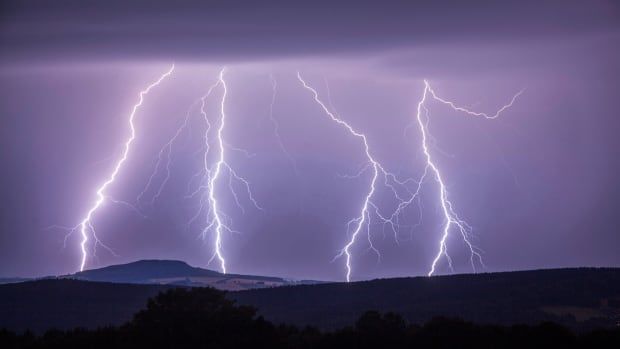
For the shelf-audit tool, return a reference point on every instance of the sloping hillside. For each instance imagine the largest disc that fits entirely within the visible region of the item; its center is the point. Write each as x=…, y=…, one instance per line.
x=44, y=304
x=579, y=298
x=166, y=272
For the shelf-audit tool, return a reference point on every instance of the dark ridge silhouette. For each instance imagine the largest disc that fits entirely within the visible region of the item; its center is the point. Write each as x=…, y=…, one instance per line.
x=64, y=304
x=582, y=299
x=177, y=273
x=12, y=280
x=143, y=272
x=205, y=318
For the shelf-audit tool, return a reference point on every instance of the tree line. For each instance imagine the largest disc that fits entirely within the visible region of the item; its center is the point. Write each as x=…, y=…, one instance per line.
x=205, y=318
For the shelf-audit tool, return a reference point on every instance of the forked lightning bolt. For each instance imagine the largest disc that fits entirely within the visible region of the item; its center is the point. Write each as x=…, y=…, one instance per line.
x=362, y=221
x=363, y=216
x=451, y=219
x=86, y=227
x=217, y=220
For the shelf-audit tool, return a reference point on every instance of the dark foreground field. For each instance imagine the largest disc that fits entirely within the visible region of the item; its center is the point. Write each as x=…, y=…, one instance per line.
x=580, y=299
x=205, y=318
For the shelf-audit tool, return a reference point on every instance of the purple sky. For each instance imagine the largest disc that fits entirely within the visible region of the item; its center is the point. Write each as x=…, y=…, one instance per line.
x=539, y=185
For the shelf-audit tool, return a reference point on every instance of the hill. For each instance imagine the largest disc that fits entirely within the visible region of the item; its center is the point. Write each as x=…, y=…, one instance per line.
x=64, y=304
x=579, y=298
x=12, y=280
x=167, y=272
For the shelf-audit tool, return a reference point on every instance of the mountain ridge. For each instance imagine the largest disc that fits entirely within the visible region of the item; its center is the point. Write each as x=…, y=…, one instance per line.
x=178, y=273
x=579, y=298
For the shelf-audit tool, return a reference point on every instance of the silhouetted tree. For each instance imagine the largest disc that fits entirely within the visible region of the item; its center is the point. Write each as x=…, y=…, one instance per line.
x=199, y=317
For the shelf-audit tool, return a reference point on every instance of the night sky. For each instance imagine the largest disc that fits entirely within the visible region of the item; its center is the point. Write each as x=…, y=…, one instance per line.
x=539, y=185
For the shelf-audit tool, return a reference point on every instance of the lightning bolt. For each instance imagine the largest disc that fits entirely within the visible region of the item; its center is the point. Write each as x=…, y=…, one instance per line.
x=450, y=217
x=359, y=221
x=216, y=216
x=363, y=220
x=86, y=227
x=217, y=220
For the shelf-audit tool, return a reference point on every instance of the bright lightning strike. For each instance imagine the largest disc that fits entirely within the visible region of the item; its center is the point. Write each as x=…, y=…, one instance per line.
x=215, y=209
x=451, y=219
x=86, y=226
x=362, y=221
x=217, y=220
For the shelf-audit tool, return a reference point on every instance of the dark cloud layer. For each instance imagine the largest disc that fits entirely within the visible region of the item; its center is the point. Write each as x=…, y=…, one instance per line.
x=242, y=30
